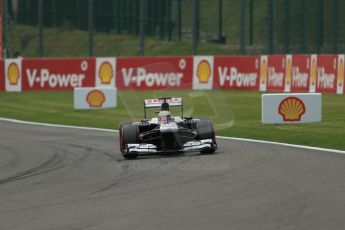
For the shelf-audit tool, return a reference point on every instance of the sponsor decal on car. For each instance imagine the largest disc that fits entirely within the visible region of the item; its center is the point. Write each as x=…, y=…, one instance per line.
x=157, y=102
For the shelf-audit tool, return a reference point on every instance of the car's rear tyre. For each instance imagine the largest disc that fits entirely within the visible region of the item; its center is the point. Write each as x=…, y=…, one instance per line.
x=204, y=129
x=129, y=134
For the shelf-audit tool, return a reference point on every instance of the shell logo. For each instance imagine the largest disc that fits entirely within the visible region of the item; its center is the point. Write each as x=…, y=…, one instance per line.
x=105, y=72
x=341, y=72
x=263, y=71
x=288, y=71
x=13, y=73
x=291, y=109
x=204, y=71
x=95, y=98
x=313, y=71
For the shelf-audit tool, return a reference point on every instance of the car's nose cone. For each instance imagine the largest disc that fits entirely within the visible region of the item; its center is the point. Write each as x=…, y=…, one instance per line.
x=168, y=128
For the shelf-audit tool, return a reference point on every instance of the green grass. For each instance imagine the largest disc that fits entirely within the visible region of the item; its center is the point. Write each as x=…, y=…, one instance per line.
x=235, y=113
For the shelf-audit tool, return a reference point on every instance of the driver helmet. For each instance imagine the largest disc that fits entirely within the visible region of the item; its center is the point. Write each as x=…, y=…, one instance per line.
x=165, y=106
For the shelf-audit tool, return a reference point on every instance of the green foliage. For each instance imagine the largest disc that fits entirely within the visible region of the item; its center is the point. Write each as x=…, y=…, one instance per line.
x=309, y=24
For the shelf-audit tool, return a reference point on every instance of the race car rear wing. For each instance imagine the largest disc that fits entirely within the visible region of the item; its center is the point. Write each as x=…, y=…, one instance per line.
x=157, y=102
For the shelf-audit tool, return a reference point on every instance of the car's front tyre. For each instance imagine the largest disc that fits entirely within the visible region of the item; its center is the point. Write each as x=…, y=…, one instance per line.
x=205, y=130
x=129, y=134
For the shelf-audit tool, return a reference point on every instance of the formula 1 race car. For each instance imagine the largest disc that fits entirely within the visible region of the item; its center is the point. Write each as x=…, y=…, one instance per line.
x=166, y=133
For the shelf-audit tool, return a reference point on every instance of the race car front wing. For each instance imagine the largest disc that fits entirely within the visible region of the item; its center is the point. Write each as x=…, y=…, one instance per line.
x=190, y=146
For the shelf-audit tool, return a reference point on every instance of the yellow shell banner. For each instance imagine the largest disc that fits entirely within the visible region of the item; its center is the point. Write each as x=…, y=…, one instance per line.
x=341, y=72
x=106, y=73
x=288, y=71
x=13, y=73
x=313, y=71
x=263, y=71
x=204, y=71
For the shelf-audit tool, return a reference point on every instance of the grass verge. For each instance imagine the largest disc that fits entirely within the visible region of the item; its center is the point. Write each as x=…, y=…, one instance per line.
x=235, y=113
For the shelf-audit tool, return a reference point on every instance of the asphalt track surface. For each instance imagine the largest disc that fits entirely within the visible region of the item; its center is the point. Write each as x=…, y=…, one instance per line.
x=61, y=178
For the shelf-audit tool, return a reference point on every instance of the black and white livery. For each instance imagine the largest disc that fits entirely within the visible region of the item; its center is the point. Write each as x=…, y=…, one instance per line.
x=166, y=133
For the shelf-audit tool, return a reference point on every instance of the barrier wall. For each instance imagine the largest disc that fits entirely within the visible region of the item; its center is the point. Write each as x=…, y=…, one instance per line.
x=276, y=73
x=154, y=73
x=326, y=79
x=2, y=76
x=267, y=73
x=57, y=74
x=237, y=72
x=300, y=71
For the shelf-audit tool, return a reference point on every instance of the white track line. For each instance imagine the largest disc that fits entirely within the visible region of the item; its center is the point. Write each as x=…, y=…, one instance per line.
x=57, y=126
x=284, y=144
x=221, y=137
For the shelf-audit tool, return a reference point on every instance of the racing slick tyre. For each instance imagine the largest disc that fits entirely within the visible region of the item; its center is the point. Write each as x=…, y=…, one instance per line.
x=123, y=124
x=204, y=129
x=129, y=134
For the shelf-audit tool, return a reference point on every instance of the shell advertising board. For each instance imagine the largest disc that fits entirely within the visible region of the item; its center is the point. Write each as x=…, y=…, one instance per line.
x=327, y=73
x=263, y=73
x=13, y=75
x=95, y=98
x=154, y=73
x=300, y=74
x=291, y=108
x=341, y=69
x=58, y=73
x=237, y=72
x=2, y=75
x=203, y=72
x=276, y=73
x=105, y=72
x=288, y=73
